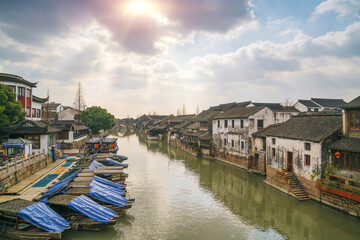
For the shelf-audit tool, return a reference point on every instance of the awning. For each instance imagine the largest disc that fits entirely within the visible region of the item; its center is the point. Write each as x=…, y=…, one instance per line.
x=107, y=196
x=13, y=146
x=90, y=208
x=109, y=160
x=43, y=217
x=107, y=182
x=58, y=187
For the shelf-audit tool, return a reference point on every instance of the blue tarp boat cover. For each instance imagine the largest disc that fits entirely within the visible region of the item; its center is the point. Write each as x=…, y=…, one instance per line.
x=92, y=209
x=105, y=195
x=57, y=187
x=107, y=187
x=120, y=156
x=109, y=160
x=107, y=182
x=95, y=164
x=43, y=217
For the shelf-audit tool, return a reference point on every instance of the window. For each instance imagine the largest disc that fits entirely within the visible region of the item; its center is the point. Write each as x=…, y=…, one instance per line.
x=242, y=123
x=28, y=112
x=260, y=123
x=232, y=123
x=33, y=112
x=218, y=123
x=38, y=113
x=309, y=109
x=354, y=120
x=273, y=140
x=232, y=143
x=21, y=91
x=307, y=160
x=242, y=145
x=224, y=141
x=36, y=140
x=226, y=123
x=350, y=161
x=273, y=152
x=28, y=93
x=307, y=146
x=316, y=109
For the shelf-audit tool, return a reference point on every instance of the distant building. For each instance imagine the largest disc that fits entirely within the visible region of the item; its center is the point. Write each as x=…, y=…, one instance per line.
x=24, y=93
x=51, y=110
x=68, y=114
x=319, y=104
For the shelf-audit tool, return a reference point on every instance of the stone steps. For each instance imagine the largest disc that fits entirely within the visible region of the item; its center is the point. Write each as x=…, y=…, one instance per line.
x=296, y=188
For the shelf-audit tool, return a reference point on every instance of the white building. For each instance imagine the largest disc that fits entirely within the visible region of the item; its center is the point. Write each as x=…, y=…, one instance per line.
x=319, y=104
x=24, y=93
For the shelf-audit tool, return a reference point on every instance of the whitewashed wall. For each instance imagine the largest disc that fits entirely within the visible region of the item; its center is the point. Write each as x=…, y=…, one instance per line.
x=282, y=146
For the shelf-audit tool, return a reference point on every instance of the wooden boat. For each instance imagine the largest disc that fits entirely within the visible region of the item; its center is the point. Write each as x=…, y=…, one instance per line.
x=14, y=227
x=79, y=221
x=108, y=145
x=92, y=145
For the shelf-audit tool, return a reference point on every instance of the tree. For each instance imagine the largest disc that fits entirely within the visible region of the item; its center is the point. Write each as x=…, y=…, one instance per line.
x=10, y=110
x=97, y=118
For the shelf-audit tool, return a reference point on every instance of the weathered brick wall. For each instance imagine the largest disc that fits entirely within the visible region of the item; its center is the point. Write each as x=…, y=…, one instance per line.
x=348, y=205
x=275, y=180
x=309, y=187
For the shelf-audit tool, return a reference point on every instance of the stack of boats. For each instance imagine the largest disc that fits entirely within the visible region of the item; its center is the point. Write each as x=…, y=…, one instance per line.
x=89, y=196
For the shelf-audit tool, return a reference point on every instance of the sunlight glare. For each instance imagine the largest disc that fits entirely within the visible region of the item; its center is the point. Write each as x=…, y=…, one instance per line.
x=140, y=8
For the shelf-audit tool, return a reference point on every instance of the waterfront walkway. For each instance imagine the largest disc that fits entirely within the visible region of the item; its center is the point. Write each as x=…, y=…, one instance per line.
x=25, y=189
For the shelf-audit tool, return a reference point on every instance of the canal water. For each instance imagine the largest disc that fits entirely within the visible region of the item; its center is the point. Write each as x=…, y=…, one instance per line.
x=179, y=196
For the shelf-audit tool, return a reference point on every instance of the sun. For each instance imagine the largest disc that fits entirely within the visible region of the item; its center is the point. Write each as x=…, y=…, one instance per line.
x=140, y=8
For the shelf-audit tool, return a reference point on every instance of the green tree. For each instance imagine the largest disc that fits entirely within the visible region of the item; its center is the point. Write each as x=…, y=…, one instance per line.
x=10, y=110
x=97, y=118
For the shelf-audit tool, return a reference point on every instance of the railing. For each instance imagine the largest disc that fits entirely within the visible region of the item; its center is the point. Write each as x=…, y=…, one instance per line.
x=17, y=164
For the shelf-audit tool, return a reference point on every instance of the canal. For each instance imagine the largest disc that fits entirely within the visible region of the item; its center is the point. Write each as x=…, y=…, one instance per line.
x=179, y=196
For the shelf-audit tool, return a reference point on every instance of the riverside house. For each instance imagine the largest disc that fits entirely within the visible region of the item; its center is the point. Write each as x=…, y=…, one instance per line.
x=319, y=104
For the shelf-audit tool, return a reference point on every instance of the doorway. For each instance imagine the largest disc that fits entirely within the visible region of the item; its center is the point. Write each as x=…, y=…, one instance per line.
x=290, y=161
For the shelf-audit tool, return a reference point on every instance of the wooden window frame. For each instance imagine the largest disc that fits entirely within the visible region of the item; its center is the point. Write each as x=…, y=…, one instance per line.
x=307, y=146
x=232, y=143
x=226, y=124
x=241, y=123
x=354, y=120
x=273, y=141
x=273, y=152
x=232, y=123
x=307, y=160
x=262, y=123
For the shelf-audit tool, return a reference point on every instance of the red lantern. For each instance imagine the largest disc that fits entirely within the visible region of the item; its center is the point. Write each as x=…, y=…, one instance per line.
x=112, y=145
x=337, y=154
x=96, y=145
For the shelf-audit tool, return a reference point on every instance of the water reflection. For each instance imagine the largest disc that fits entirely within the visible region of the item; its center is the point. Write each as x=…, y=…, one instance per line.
x=261, y=206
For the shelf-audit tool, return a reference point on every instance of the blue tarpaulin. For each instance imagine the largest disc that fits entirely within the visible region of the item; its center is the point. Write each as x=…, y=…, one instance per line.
x=107, y=196
x=95, y=164
x=109, y=160
x=107, y=182
x=43, y=217
x=120, y=157
x=91, y=209
x=13, y=146
x=67, y=163
x=57, y=187
x=106, y=187
x=45, y=181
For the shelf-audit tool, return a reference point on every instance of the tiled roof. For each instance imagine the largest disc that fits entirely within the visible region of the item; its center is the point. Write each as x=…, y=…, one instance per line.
x=308, y=103
x=223, y=107
x=347, y=144
x=30, y=127
x=306, y=127
x=207, y=136
x=239, y=112
x=14, y=78
x=182, y=118
x=40, y=100
x=329, y=103
x=354, y=104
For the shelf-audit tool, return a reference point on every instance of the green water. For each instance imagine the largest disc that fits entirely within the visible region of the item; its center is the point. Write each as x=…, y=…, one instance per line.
x=183, y=197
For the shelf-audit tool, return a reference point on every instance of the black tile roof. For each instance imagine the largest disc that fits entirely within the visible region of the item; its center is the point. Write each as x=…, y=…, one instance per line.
x=306, y=127
x=223, y=107
x=329, y=103
x=14, y=78
x=39, y=99
x=30, y=127
x=308, y=103
x=354, y=104
x=239, y=112
x=347, y=144
x=182, y=118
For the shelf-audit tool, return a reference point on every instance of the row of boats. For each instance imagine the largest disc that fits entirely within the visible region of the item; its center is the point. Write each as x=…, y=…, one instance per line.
x=89, y=196
x=101, y=145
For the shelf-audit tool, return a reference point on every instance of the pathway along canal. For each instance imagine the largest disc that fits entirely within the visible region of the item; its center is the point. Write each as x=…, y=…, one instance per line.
x=179, y=196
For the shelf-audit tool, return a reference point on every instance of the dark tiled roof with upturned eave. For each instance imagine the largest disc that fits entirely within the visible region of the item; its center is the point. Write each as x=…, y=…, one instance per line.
x=354, y=104
x=308, y=103
x=306, y=128
x=16, y=79
x=347, y=144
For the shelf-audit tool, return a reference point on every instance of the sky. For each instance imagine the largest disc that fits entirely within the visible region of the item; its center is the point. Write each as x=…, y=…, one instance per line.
x=135, y=57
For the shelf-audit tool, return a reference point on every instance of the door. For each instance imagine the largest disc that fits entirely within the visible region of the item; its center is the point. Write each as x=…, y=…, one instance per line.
x=289, y=161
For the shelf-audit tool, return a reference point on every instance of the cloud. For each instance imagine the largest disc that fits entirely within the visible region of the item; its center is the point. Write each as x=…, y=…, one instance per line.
x=34, y=22
x=341, y=7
